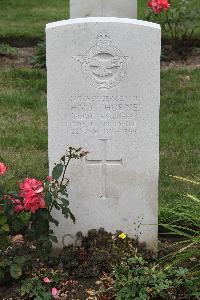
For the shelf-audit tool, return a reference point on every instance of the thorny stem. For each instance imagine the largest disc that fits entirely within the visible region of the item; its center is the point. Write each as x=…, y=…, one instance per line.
x=65, y=169
x=63, y=177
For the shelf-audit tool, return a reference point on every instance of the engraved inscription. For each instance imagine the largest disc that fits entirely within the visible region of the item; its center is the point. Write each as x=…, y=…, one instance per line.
x=104, y=66
x=103, y=115
x=104, y=162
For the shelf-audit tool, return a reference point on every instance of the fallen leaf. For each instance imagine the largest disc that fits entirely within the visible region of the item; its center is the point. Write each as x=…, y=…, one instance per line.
x=90, y=292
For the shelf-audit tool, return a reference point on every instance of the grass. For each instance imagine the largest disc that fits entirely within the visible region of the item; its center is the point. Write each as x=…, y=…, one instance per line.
x=179, y=134
x=7, y=50
x=23, y=19
x=23, y=131
x=26, y=19
x=23, y=119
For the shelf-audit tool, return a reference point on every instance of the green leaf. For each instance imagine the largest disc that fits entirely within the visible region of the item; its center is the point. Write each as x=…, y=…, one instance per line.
x=43, y=213
x=53, y=238
x=72, y=217
x=57, y=171
x=15, y=271
x=65, y=202
x=26, y=287
x=63, y=190
x=56, y=205
x=65, y=212
x=41, y=228
x=48, y=198
x=20, y=259
x=5, y=227
x=3, y=219
x=24, y=217
x=52, y=220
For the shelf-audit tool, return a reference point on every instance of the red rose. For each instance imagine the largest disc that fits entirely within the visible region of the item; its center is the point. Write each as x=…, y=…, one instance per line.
x=34, y=201
x=165, y=4
x=159, y=5
x=3, y=168
x=30, y=190
x=49, y=178
x=31, y=184
x=18, y=205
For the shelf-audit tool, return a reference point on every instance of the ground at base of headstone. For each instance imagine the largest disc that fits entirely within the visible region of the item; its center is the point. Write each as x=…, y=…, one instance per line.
x=80, y=273
x=169, y=59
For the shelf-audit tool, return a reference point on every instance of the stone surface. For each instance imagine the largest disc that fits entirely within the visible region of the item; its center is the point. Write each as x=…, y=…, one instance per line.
x=103, y=94
x=103, y=8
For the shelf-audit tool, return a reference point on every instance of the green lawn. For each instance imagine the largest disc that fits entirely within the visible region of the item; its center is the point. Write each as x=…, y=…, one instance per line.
x=23, y=130
x=179, y=132
x=23, y=119
x=26, y=19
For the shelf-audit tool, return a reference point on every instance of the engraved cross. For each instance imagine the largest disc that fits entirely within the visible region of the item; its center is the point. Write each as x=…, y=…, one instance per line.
x=104, y=163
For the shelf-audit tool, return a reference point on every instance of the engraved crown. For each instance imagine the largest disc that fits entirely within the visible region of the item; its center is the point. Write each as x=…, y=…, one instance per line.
x=103, y=39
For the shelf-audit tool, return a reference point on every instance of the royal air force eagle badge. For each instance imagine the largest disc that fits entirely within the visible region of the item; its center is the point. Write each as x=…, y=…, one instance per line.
x=103, y=66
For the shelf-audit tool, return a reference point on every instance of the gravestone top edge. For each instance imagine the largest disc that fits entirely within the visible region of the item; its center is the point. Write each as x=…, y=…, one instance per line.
x=103, y=8
x=102, y=20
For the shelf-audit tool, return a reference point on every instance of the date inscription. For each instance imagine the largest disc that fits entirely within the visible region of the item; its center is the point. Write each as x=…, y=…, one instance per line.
x=103, y=115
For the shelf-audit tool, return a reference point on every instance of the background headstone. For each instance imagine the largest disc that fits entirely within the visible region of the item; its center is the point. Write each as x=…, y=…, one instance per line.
x=103, y=8
x=103, y=94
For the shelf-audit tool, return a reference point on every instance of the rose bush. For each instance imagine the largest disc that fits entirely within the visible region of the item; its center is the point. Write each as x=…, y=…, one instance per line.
x=178, y=20
x=159, y=5
x=29, y=209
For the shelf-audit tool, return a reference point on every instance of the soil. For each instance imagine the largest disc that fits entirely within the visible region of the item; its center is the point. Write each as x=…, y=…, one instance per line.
x=23, y=59
x=80, y=289
x=188, y=62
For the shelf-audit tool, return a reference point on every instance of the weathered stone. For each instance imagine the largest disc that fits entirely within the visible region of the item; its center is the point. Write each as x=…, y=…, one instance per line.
x=103, y=8
x=103, y=94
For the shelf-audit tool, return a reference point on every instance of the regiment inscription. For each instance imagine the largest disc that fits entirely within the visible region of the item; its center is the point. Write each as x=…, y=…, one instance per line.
x=104, y=115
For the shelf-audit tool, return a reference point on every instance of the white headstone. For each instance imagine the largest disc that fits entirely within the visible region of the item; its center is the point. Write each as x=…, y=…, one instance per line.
x=103, y=8
x=103, y=94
